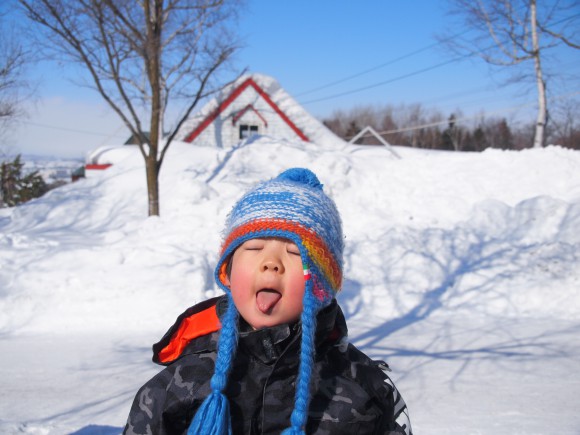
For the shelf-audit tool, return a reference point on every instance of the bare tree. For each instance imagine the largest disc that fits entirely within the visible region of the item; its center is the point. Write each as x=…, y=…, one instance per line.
x=566, y=126
x=140, y=55
x=520, y=33
x=13, y=58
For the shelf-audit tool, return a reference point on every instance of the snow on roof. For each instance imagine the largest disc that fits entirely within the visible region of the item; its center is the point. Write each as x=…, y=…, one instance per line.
x=110, y=154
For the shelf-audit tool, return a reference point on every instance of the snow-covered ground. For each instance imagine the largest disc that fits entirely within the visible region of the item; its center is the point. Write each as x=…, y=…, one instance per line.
x=462, y=271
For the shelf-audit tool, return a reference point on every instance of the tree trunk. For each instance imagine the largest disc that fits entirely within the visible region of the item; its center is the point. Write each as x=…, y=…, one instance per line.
x=542, y=105
x=151, y=170
x=154, y=21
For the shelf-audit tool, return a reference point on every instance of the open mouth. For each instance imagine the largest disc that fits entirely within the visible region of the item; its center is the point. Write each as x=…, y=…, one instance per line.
x=267, y=299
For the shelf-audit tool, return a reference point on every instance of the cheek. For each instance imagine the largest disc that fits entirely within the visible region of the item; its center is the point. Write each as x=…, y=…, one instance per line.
x=294, y=308
x=295, y=303
x=239, y=282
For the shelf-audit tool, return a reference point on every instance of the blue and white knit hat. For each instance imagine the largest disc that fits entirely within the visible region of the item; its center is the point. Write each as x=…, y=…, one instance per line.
x=292, y=206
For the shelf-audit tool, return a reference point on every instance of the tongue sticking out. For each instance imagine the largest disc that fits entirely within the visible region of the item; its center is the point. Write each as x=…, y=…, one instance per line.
x=267, y=299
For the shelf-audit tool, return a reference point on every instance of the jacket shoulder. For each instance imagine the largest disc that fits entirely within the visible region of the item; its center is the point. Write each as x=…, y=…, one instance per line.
x=165, y=404
x=365, y=382
x=197, y=321
x=374, y=375
x=355, y=366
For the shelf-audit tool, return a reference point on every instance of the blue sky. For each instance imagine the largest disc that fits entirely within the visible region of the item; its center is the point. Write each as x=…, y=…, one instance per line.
x=307, y=45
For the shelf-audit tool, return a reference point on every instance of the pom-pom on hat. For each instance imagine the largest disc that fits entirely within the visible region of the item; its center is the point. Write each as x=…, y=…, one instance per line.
x=292, y=206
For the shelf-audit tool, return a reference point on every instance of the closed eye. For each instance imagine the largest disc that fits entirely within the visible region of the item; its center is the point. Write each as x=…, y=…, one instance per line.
x=253, y=245
x=253, y=248
x=293, y=250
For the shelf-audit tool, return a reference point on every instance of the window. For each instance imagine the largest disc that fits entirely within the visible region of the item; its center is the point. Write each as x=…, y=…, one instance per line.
x=247, y=131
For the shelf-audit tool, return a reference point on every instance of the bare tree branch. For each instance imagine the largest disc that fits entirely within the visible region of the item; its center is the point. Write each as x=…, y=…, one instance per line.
x=560, y=36
x=142, y=54
x=13, y=59
x=520, y=34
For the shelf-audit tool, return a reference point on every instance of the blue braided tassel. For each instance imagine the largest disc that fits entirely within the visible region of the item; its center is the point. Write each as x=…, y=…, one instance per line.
x=293, y=431
x=213, y=416
x=308, y=349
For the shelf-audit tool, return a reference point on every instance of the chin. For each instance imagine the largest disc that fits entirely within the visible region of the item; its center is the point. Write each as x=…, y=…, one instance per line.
x=265, y=323
x=262, y=325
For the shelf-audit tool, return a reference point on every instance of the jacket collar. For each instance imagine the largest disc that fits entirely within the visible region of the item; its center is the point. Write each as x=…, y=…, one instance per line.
x=267, y=344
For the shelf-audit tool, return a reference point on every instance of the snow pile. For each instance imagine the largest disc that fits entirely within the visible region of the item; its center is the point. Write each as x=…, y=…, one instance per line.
x=489, y=233
x=449, y=257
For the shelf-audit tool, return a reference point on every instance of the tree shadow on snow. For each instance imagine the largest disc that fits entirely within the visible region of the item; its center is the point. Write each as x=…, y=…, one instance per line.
x=229, y=154
x=469, y=269
x=349, y=298
x=93, y=429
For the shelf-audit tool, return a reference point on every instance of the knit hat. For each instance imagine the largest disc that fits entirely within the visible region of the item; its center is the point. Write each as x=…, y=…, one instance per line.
x=292, y=206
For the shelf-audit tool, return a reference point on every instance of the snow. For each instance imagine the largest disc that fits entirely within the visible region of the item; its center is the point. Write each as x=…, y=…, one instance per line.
x=462, y=271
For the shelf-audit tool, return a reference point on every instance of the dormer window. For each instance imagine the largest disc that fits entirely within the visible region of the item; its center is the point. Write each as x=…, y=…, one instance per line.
x=247, y=130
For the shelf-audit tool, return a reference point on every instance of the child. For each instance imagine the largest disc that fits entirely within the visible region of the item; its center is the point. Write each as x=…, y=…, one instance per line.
x=271, y=355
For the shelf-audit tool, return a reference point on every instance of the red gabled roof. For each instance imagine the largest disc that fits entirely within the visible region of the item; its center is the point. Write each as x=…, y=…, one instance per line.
x=235, y=94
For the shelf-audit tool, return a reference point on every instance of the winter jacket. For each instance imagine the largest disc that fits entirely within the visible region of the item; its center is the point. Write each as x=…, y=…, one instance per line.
x=350, y=393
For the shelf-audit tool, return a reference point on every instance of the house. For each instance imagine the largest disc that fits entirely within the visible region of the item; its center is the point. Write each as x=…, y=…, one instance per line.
x=254, y=104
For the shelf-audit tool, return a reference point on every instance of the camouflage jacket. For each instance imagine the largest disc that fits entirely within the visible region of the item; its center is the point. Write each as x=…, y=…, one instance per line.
x=350, y=393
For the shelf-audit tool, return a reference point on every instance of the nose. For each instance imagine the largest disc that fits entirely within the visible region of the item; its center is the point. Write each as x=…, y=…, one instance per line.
x=272, y=265
x=272, y=259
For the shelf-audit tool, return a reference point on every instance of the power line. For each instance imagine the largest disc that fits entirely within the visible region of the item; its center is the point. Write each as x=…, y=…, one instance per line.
x=404, y=76
x=421, y=71
x=375, y=85
x=454, y=95
x=405, y=56
x=72, y=130
x=390, y=62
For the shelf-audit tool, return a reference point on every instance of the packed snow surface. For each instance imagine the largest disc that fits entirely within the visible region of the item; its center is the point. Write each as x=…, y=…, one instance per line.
x=462, y=272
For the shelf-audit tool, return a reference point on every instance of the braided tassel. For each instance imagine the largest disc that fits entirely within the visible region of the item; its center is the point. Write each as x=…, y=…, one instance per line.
x=213, y=416
x=307, y=352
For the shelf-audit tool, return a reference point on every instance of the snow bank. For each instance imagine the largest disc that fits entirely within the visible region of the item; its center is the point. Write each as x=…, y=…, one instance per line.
x=493, y=234
x=462, y=272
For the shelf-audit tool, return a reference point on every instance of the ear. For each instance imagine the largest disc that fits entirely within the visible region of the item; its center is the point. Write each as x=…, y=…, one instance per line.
x=227, y=271
x=224, y=273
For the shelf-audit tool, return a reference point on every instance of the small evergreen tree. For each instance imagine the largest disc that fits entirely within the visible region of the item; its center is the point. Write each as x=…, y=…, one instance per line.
x=451, y=137
x=16, y=188
x=504, y=132
x=479, y=139
x=353, y=130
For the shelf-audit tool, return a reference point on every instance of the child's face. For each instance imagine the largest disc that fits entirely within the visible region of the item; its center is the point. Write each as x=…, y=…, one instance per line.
x=267, y=282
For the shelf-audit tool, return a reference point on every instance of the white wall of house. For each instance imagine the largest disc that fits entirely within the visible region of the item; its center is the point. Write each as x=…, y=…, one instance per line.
x=224, y=133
